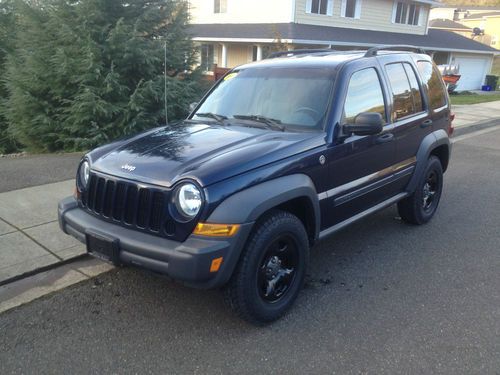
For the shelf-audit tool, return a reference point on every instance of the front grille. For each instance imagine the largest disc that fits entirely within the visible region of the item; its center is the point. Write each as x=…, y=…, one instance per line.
x=128, y=203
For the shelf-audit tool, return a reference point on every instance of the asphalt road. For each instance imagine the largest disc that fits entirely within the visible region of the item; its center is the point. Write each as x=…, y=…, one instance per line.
x=381, y=297
x=32, y=170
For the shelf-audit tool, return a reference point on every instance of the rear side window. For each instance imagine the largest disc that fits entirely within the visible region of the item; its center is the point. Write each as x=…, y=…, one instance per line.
x=415, y=89
x=364, y=94
x=433, y=83
x=405, y=90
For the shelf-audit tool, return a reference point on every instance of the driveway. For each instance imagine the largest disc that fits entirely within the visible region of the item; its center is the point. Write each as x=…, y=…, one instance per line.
x=381, y=297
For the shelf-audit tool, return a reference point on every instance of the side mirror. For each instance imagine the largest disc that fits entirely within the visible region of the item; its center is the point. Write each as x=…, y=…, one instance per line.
x=193, y=106
x=366, y=123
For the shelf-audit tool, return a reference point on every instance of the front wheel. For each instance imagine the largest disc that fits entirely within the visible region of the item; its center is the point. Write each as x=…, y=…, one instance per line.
x=271, y=270
x=421, y=206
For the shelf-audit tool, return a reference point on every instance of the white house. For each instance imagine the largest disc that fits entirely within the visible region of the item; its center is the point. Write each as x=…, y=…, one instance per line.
x=234, y=32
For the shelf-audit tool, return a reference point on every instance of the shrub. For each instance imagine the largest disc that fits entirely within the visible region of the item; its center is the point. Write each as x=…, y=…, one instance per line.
x=86, y=72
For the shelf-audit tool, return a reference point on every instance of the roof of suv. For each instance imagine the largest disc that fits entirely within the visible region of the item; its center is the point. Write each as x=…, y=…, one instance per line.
x=316, y=58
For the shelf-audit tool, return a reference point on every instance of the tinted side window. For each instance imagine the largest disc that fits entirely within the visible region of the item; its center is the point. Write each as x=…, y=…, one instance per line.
x=401, y=91
x=415, y=89
x=434, y=84
x=364, y=94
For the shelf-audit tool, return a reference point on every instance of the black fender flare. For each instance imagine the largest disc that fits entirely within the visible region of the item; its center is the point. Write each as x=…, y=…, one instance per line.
x=249, y=204
x=429, y=143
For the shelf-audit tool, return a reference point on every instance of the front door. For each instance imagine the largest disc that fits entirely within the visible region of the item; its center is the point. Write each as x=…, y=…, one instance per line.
x=359, y=166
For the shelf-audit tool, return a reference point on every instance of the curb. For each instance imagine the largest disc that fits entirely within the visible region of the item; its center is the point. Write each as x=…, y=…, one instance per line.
x=466, y=129
x=45, y=283
x=44, y=269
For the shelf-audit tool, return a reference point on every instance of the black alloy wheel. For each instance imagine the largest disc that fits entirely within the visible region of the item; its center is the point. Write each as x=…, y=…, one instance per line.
x=277, y=270
x=271, y=269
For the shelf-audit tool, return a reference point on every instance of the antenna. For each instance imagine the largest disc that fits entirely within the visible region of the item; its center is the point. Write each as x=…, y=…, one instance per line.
x=165, y=82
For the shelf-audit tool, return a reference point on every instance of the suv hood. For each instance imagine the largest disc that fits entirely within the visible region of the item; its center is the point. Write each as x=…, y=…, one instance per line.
x=204, y=152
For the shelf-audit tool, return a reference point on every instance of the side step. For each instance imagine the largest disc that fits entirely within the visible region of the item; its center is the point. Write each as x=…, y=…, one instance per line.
x=371, y=210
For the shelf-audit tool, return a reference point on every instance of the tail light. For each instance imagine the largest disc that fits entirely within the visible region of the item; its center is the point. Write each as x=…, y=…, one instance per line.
x=450, y=125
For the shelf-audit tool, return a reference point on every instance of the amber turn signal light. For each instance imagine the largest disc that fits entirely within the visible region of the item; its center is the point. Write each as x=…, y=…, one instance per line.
x=216, y=263
x=216, y=230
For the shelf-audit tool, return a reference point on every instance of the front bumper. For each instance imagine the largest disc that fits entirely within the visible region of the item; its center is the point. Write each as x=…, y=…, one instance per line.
x=187, y=261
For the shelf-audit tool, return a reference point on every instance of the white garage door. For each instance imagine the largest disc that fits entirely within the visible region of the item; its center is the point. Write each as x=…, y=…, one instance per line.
x=472, y=71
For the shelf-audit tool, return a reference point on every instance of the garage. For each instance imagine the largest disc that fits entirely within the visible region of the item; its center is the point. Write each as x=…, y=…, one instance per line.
x=473, y=70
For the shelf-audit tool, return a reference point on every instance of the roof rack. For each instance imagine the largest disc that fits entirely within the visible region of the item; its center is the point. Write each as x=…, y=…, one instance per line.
x=298, y=52
x=374, y=51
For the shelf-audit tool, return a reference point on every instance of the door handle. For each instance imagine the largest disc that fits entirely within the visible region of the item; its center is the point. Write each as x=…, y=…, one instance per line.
x=387, y=137
x=426, y=124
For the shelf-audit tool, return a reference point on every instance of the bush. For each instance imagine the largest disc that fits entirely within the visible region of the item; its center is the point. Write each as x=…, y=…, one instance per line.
x=7, y=30
x=84, y=73
x=492, y=81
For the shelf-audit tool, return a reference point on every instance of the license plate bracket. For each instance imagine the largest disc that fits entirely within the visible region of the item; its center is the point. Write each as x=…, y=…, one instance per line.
x=103, y=247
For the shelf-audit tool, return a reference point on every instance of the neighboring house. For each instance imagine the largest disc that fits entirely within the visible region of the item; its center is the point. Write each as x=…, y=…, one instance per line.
x=449, y=25
x=485, y=19
x=459, y=12
x=234, y=32
x=488, y=23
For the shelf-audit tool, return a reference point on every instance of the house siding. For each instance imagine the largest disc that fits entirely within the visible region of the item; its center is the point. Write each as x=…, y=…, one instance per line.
x=375, y=15
x=238, y=54
x=242, y=11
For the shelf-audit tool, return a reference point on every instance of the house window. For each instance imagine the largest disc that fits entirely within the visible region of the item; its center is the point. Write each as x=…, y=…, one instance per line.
x=406, y=13
x=319, y=7
x=254, y=53
x=351, y=8
x=220, y=6
x=207, y=57
x=441, y=58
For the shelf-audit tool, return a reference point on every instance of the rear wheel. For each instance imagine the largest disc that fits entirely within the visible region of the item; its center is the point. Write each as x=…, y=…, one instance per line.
x=421, y=206
x=271, y=270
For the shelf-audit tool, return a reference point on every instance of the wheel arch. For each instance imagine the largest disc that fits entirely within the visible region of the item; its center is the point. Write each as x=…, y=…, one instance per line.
x=443, y=154
x=436, y=143
x=294, y=193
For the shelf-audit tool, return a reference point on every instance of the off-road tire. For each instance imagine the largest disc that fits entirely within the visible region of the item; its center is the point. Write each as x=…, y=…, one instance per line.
x=242, y=293
x=411, y=209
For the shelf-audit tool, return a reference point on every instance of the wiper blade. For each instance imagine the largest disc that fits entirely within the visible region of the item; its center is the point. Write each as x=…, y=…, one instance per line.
x=270, y=122
x=215, y=116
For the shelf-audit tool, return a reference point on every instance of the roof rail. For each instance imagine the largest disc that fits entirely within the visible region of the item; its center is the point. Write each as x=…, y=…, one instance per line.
x=373, y=51
x=298, y=52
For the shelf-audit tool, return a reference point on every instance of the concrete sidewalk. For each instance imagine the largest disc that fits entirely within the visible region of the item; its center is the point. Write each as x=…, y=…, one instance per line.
x=30, y=238
x=474, y=114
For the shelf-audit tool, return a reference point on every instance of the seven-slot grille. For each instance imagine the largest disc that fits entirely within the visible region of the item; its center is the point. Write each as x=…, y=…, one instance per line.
x=128, y=203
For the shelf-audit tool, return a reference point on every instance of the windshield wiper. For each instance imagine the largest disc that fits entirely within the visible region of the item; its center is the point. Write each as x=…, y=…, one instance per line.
x=215, y=116
x=270, y=122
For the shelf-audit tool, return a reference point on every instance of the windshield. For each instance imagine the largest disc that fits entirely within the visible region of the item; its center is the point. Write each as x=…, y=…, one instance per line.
x=288, y=96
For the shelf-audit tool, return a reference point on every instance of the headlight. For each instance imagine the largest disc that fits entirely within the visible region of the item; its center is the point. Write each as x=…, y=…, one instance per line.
x=188, y=200
x=84, y=173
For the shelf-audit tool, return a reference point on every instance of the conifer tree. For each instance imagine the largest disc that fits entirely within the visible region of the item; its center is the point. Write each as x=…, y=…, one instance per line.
x=7, y=30
x=86, y=72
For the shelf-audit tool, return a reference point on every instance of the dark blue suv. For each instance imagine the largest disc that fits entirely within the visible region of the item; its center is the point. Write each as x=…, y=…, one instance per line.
x=278, y=155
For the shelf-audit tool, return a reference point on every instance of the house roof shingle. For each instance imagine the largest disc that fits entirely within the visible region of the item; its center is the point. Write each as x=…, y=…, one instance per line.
x=443, y=23
x=312, y=34
x=481, y=15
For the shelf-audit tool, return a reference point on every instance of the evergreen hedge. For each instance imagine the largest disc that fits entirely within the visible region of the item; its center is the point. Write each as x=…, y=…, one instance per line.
x=82, y=73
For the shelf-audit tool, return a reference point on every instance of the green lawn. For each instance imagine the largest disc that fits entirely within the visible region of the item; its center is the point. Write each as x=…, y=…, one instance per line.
x=474, y=98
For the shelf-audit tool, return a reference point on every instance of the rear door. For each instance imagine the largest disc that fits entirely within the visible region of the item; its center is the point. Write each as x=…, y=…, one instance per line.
x=408, y=112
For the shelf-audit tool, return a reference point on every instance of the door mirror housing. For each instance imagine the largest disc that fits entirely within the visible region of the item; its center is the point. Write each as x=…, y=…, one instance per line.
x=366, y=123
